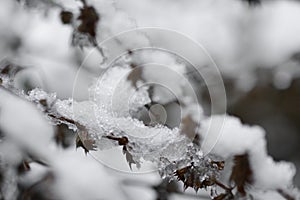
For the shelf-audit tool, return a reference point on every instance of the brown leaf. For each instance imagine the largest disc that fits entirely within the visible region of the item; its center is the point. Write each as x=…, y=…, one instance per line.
x=66, y=17
x=123, y=141
x=128, y=156
x=241, y=173
x=89, y=19
x=85, y=143
x=181, y=172
x=191, y=178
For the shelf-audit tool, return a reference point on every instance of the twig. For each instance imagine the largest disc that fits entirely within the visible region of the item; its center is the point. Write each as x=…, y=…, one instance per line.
x=221, y=185
x=285, y=194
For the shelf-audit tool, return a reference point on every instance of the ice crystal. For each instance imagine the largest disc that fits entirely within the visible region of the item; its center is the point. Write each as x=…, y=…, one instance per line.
x=107, y=113
x=193, y=169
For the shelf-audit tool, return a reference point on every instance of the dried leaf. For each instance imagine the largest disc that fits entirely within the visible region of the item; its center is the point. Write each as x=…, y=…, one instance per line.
x=129, y=157
x=241, y=173
x=123, y=141
x=85, y=143
x=181, y=172
x=191, y=178
x=66, y=17
x=89, y=18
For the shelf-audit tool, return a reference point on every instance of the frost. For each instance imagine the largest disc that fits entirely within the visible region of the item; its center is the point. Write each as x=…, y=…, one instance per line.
x=112, y=114
x=107, y=122
x=38, y=95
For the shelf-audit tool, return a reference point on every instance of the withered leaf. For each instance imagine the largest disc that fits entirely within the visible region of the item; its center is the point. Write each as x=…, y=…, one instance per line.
x=181, y=172
x=129, y=157
x=123, y=141
x=66, y=17
x=89, y=19
x=241, y=173
x=86, y=144
x=191, y=178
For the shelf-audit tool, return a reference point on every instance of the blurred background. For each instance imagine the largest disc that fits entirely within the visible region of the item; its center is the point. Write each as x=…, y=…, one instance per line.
x=255, y=44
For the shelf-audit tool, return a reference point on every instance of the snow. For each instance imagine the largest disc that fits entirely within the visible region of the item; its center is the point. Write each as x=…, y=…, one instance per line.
x=236, y=139
x=25, y=125
x=238, y=38
x=81, y=176
x=105, y=102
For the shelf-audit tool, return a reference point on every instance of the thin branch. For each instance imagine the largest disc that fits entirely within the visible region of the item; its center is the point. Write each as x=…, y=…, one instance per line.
x=99, y=49
x=285, y=194
x=221, y=185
